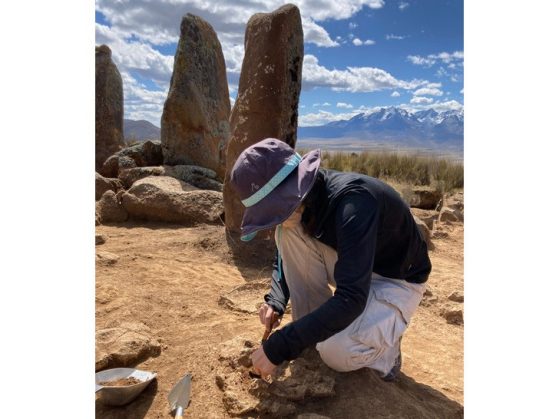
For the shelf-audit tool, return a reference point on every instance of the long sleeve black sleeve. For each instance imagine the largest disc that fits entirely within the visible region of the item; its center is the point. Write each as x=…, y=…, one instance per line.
x=356, y=227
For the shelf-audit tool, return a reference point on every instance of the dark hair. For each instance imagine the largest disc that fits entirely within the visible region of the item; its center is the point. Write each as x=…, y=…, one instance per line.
x=311, y=202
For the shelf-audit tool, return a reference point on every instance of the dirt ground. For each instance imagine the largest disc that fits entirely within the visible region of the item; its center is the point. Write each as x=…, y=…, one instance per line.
x=172, y=278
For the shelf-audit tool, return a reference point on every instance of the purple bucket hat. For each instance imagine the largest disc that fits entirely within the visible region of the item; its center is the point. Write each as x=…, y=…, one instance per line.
x=272, y=180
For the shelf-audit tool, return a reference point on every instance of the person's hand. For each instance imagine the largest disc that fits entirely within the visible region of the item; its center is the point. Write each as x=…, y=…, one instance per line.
x=261, y=364
x=267, y=314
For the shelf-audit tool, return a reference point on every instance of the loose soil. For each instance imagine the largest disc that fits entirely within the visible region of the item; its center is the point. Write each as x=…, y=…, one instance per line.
x=193, y=294
x=121, y=382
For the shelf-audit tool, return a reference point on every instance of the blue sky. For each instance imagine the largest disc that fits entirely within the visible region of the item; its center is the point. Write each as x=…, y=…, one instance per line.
x=359, y=54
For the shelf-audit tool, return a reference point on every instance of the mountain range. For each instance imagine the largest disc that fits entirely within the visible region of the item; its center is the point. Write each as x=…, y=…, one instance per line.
x=140, y=130
x=390, y=126
x=427, y=128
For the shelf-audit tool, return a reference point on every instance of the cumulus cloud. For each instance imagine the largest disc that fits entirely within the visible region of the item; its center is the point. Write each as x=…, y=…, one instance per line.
x=395, y=94
x=136, y=56
x=353, y=79
x=344, y=105
x=456, y=59
x=142, y=103
x=358, y=42
x=428, y=91
x=352, y=25
x=321, y=104
x=397, y=37
x=316, y=34
x=323, y=117
x=418, y=99
x=451, y=105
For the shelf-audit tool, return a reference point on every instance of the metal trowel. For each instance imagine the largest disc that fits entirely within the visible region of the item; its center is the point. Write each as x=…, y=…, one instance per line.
x=180, y=395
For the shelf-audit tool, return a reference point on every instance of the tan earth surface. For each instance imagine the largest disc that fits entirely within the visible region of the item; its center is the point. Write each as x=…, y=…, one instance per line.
x=185, y=287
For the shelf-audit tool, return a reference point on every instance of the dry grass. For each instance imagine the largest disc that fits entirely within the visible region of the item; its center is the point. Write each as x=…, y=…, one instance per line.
x=401, y=168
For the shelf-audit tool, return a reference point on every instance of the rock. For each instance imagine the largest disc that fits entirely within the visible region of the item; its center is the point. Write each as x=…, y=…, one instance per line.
x=245, y=298
x=129, y=176
x=453, y=315
x=195, y=119
x=440, y=235
x=427, y=216
x=148, y=153
x=110, y=208
x=195, y=175
x=456, y=201
x=109, y=106
x=123, y=346
x=103, y=184
x=100, y=239
x=311, y=416
x=106, y=258
x=456, y=296
x=236, y=352
x=239, y=405
x=268, y=95
x=423, y=198
x=425, y=232
x=163, y=198
x=97, y=219
x=447, y=214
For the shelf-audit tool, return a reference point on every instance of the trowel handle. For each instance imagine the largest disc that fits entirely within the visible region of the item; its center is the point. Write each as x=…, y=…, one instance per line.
x=178, y=412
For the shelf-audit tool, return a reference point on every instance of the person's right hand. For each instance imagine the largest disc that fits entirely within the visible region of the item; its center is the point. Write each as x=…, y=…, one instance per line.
x=268, y=317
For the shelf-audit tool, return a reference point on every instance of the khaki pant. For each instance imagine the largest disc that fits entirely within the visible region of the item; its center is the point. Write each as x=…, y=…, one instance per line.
x=372, y=339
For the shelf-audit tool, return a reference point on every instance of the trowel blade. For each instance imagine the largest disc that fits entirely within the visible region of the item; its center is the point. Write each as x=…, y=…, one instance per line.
x=180, y=394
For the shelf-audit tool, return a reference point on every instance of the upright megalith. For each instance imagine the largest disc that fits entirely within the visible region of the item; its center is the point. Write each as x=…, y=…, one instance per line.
x=109, y=107
x=195, y=120
x=268, y=97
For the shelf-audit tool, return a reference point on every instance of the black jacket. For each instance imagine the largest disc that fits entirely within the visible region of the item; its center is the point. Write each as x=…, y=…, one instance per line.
x=372, y=230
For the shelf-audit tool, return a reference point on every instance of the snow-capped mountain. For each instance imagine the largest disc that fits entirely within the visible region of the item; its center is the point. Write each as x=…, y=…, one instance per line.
x=395, y=124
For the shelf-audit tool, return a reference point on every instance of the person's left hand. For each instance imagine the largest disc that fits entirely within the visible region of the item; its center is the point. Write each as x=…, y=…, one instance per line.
x=261, y=363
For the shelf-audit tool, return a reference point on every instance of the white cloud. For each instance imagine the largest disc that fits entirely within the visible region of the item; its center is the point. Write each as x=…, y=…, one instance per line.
x=352, y=25
x=395, y=94
x=418, y=100
x=321, y=104
x=455, y=58
x=344, y=105
x=417, y=60
x=142, y=103
x=397, y=37
x=136, y=56
x=428, y=91
x=353, y=79
x=403, y=5
x=323, y=117
x=316, y=34
x=462, y=91
x=358, y=42
x=451, y=105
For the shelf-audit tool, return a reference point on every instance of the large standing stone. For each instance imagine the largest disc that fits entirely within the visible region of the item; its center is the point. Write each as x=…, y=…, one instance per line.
x=109, y=107
x=269, y=87
x=195, y=120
